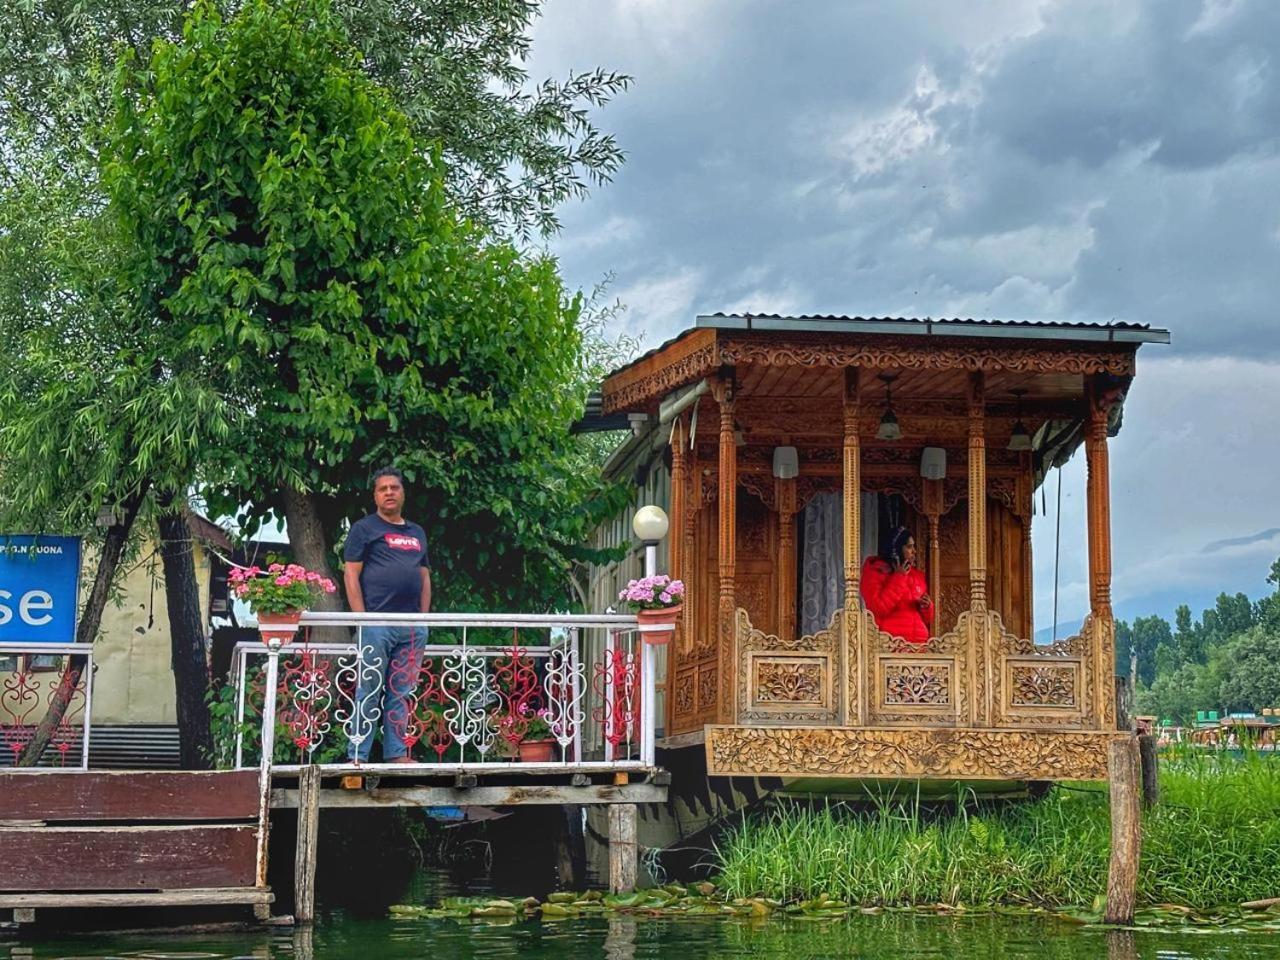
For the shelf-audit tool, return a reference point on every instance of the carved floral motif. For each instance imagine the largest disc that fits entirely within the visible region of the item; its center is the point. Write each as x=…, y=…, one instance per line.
x=915, y=684
x=791, y=681
x=907, y=753
x=684, y=701
x=1043, y=686
x=707, y=687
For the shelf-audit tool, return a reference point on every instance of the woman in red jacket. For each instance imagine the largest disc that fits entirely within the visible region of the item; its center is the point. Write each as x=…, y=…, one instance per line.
x=895, y=590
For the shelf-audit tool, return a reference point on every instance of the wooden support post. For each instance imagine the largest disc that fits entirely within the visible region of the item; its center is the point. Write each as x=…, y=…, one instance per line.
x=304, y=863
x=852, y=488
x=623, y=852
x=932, y=493
x=1150, y=770
x=786, y=497
x=979, y=624
x=1098, y=496
x=24, y=915
x=726, y=711
x=1126, y=830
x=676, y=563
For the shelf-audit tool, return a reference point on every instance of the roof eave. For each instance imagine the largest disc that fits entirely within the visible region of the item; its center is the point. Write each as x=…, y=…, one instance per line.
x=942, y=328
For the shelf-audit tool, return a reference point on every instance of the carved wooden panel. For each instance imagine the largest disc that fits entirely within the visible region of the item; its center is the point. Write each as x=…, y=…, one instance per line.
x=904, y=753
x=788, y=679
x=1043, y=684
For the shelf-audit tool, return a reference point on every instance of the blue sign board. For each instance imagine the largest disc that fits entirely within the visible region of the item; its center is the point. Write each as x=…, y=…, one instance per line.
x=39, y=589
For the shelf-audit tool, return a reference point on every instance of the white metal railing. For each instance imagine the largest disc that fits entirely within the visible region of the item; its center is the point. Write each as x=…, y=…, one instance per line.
x=459, y=691
x=26, y=691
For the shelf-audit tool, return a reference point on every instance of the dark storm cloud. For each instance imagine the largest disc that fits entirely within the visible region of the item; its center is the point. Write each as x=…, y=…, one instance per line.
x=1071, y=160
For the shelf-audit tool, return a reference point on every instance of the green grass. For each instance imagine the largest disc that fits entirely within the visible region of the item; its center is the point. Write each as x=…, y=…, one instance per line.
x=1214, y=839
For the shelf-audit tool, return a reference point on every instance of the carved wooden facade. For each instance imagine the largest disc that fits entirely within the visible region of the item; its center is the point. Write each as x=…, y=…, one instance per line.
x=978, y=699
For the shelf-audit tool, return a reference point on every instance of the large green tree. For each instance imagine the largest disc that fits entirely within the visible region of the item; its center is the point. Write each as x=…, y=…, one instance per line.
x=292, y=232
x=514, y=152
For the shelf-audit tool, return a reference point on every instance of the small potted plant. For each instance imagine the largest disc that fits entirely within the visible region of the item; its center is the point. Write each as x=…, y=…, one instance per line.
x=278, y=595
x=530, y=732
x=657, y=602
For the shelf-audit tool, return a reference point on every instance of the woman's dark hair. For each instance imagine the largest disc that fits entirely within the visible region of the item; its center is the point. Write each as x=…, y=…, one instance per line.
x=894, y=545
x=385, y=472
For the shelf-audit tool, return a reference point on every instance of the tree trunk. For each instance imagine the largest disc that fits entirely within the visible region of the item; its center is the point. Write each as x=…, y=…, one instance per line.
x=309, y=543
x=187, y=639
x=87, y=629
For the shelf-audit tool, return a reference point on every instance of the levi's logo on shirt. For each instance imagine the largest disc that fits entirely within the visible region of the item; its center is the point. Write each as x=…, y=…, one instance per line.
x=400, y=541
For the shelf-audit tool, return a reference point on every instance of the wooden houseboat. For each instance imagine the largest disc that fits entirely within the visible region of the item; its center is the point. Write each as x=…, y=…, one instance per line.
x=782, y=448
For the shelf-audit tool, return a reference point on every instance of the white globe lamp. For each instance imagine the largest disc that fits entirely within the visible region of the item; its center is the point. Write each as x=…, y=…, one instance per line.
x=650, y=524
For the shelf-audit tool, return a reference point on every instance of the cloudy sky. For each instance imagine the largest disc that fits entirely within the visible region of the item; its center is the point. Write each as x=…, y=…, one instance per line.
x=1065, y=160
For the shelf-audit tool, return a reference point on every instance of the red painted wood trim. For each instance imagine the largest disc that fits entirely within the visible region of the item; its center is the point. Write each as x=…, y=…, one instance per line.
x=102, y=795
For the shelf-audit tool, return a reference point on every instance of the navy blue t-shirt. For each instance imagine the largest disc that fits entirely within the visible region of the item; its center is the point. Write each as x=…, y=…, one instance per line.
x=393, y=555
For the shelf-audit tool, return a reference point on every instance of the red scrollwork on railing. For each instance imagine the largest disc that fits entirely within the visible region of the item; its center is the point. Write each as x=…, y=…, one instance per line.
x=616, y=678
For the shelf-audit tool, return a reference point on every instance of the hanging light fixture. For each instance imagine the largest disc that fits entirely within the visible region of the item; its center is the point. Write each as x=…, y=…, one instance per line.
x=1020, y=439
x=889, y=429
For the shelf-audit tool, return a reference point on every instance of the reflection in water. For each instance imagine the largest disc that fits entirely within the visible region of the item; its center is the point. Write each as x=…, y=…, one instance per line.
x=620, y=941
x=625, y=938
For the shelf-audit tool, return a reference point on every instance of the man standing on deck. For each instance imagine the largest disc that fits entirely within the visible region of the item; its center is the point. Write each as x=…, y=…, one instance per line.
x=386, y=570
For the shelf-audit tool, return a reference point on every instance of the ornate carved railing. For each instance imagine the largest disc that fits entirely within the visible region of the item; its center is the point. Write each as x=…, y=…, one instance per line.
x=975, y=675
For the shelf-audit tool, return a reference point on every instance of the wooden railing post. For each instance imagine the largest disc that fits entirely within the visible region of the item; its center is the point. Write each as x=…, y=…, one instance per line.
x=728, y=500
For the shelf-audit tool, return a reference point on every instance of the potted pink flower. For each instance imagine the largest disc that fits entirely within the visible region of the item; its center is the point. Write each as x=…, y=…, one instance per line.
x=657, y=602
x=278, y=595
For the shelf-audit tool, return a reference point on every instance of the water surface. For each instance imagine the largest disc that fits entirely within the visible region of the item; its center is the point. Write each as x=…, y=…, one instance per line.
x=341, y=937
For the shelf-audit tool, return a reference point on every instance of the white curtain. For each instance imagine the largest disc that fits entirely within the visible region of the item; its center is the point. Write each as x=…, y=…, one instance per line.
x=822, y=566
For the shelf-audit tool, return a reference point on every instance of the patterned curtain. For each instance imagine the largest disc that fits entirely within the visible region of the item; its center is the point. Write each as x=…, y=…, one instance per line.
x=822, y=565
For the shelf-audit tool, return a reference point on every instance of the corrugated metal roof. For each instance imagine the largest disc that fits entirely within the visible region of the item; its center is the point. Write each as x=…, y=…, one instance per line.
x=1113, y=332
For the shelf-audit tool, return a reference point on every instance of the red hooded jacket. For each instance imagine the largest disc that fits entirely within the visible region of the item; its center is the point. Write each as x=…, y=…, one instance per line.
x=893, y=599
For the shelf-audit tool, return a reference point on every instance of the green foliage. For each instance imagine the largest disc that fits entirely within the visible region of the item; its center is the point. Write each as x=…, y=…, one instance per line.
x=1251, y=672
x=514, y=149
x=1211, y=841
x=298, y=242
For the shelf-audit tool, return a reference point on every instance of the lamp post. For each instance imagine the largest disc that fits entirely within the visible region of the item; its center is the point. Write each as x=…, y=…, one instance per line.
x=650, y=525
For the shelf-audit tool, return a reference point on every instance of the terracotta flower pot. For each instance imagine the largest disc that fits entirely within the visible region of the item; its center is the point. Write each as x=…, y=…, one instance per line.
x=536, y=751
x=659, y=626
x=279, y=626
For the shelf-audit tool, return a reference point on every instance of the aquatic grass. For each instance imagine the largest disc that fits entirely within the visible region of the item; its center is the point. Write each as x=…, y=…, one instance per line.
x=1214, y=839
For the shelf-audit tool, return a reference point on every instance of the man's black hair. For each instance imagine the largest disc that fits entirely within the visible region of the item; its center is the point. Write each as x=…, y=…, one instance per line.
x=387, y=471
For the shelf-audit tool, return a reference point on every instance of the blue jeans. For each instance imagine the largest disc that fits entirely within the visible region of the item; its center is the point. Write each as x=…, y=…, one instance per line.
x=401, y=649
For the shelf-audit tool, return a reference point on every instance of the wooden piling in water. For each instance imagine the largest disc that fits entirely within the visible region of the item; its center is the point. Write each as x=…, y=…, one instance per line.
x=304, y=864
x=1150, y=770
x=1123, y=771
x=623, y=850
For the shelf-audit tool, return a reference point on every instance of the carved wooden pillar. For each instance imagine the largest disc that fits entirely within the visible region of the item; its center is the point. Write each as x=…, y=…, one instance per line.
x=1099, y=515
x=933, y=512
x=728, y=508
x=679, y=567
x=979, y=623
x=1026, y=501
x=977, y=495
x=786, y=497
x=852, y=488
x=679, y=559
